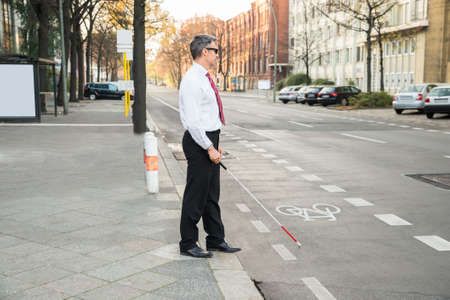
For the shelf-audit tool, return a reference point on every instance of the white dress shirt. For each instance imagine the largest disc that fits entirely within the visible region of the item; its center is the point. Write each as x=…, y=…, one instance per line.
x=199, y=111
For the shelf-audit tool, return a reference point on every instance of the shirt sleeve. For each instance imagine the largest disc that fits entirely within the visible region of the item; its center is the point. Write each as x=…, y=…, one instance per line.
x=190, y=95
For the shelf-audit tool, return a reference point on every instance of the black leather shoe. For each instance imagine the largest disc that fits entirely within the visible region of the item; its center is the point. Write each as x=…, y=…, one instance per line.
x=224, y=247
x=196, y=252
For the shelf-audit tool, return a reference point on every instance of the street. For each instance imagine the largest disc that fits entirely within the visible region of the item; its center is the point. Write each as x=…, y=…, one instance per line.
x=338, y=182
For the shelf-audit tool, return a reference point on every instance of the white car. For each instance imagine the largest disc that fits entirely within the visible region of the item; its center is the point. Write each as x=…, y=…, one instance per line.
x=438, y=101
x=412, y=97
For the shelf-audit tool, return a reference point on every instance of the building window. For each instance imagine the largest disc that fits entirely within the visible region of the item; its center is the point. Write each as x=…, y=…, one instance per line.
x=267, y=64
x=386, y=81
x=394, y=48
x=347, y=55
x=336, y=57
x=411, y=78
x=386, y=49
x=358, y=54
x=292, y=42
x=405, y=46
x=399, y=46
x=413, y=45
x=260, y=65
x=255, y=66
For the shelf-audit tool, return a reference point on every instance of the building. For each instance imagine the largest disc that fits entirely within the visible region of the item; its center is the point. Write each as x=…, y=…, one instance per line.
x=248, y=43
x=416, y=47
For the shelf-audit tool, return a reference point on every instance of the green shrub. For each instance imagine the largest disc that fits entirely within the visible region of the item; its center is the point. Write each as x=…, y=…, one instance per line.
x=281, y=84
x=323, y=81
x=370, y=100
x=297, y=79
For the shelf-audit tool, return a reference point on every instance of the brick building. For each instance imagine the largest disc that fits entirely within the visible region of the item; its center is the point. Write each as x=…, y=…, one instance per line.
x=248, y=43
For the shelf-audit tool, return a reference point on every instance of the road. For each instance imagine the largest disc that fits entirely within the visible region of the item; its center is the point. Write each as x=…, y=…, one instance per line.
x=337, y=181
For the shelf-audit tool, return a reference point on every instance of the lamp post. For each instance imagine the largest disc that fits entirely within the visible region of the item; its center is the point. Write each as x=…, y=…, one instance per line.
x=63, y=59
x=275, y=52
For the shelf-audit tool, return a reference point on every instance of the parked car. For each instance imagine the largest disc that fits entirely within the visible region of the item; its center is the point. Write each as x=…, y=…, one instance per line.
x=438, y=101
x=412, y=97
x=301, y=95
x=311, y=94
x=103, y=91
x=289, y=93
x=336, y=95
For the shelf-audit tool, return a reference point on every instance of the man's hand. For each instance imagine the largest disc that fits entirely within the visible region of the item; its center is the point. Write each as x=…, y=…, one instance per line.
x=214, y=155
x=220, y=152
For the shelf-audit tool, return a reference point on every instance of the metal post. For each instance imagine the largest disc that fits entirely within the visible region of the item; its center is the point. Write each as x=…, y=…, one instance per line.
x=13, y=26
x=275, y=52
x=63, y=59
x=54, y=89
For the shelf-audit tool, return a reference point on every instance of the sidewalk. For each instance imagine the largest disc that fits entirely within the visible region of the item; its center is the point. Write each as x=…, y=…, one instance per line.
x=77, y=223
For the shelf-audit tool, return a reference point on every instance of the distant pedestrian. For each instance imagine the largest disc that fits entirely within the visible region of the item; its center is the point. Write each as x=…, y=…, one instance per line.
x=201, y=113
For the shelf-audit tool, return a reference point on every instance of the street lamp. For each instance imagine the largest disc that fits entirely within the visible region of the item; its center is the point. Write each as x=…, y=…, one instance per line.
x=275, y=53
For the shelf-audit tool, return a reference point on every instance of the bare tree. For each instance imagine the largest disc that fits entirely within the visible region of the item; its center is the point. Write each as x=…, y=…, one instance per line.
x=306, y=48
x=366, y=13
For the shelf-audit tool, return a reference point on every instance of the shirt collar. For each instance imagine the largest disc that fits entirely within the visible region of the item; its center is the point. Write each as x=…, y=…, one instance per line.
x=200, y=68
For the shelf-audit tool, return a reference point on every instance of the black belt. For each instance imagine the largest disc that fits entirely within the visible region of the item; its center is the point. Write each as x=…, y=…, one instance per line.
x=214, y=132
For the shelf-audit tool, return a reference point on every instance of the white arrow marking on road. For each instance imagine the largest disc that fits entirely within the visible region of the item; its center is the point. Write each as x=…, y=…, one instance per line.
x=332, y=189
x=294, y=168
x=435, y=242
x=284, y=252
x=301, y=124
x=280, y=161
x=392, y=220
x=363, y=138
x=318, y=289
x=311, y=177
x=243, y=208
x=358, y=202
x=259, y=225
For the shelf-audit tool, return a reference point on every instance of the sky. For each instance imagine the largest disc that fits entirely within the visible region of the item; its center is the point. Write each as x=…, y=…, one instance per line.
x=224, y=9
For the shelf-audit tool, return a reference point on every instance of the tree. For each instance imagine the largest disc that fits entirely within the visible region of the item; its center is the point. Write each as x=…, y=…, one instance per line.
x=306, y=42
x=366, y=13
x=93, y=13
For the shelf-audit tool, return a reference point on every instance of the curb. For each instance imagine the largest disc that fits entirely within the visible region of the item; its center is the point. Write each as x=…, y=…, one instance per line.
x=232, y=280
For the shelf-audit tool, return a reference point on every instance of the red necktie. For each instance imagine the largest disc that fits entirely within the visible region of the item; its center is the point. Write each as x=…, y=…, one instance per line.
x=219, y=102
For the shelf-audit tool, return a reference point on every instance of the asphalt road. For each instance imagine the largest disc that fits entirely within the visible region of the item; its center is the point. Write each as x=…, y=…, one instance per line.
x=336, y=180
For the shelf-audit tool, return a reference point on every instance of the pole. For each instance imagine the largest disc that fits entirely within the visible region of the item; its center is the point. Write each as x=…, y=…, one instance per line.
x=275, y=52
x=63, y=58
x=13, y=26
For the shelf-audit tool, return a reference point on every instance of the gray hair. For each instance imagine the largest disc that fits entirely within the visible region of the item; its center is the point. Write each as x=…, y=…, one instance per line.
x=199, y=43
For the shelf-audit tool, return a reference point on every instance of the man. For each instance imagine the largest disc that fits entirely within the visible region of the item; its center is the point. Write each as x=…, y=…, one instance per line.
x=201, y=113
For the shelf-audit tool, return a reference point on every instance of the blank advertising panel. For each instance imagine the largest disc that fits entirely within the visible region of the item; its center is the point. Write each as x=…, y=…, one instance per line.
x=17, y=88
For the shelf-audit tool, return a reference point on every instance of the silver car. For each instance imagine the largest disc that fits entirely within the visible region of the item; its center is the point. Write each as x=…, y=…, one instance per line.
x=438, y=101
x=412, y=97
x=289, y=93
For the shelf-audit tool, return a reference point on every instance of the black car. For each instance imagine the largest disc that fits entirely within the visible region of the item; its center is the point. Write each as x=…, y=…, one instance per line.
x=103, y=91
x=337, y=95
x=311, y=94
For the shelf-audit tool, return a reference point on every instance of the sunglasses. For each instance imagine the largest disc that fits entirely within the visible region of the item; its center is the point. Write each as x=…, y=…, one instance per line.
x=213, y=49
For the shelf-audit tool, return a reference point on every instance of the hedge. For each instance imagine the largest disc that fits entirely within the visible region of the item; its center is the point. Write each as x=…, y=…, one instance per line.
x=370, y=100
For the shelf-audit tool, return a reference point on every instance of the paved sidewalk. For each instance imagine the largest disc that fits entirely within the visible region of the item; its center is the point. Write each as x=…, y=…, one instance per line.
x=77, y=223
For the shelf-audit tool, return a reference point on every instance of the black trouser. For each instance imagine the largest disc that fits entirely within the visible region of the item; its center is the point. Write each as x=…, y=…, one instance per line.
x=201, y=195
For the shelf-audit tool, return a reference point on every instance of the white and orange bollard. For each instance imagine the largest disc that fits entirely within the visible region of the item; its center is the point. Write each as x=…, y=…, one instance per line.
x=151, y=162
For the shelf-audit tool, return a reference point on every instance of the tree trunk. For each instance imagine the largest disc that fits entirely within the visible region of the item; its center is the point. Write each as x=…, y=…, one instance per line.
x=99, y=61
x=80, y=56
x=73, y=69
x=42, y=13
x=66, y=17
x=369, y=55
x=380, y=46
x=139, y=105
x=88, y=57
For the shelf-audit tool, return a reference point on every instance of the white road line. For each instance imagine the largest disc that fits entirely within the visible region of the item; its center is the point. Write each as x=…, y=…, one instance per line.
x=301, y=124
x=242, y=111
x=311, y=177
x=447, y=132
x=243, y=208
x=283, y=252
x=280, y=161
x=259, y=150
x=318, y=289
x=381, y=123
x=332, y=189
x=250, y=145
x=417, y=128
x=432, y=130
x=265, y=116
x=65, y=125
x=370, y=121
x=447, y=156
x=165, y=103
x=305, y=117
x=434, y=241
x=243, y=141
x=392, y=124
x=236, y=138
x=358, y=202
x=363, y=138
x=269, y=155
x=294, y=168
x=405, y=126
x=259, y=225
x=392, y=220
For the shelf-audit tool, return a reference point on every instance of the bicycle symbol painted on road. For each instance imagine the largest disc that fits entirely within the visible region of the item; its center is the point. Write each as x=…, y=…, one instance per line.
x=318, y=211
